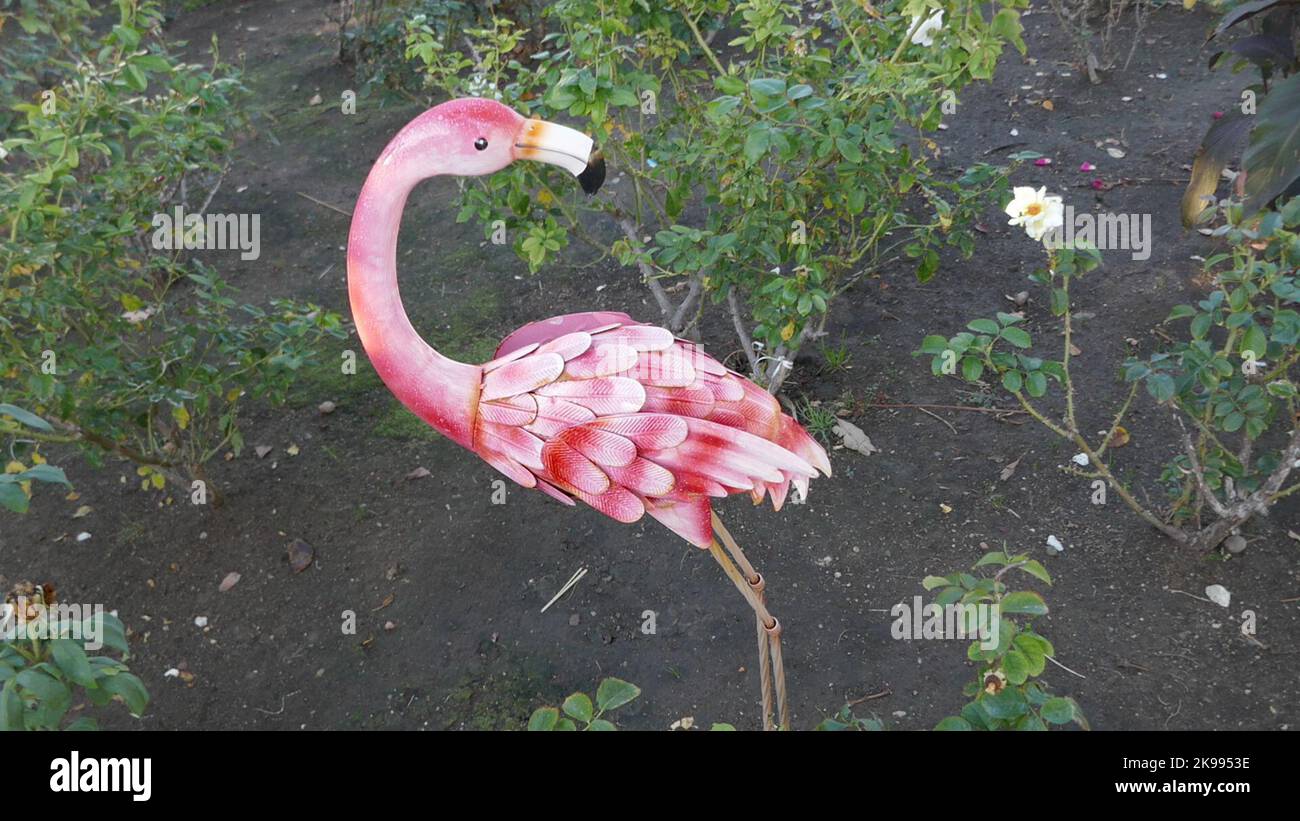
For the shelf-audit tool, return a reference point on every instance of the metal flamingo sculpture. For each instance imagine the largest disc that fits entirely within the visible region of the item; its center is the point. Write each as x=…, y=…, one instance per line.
x=619, y=415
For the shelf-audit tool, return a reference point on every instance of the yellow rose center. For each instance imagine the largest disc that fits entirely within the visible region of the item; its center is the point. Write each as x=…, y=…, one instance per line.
x=1034, y=209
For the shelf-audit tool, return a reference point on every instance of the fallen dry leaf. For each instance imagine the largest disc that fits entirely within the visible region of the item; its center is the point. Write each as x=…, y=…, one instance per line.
x=389, y=599
x=1047, y=104
x=854, y=438
x=292, y=450
x=301, y=555
x=82, y=512
x=229, y=581
x=418, y=473
x=262, y=450
x=1218, y=594
x=1119, y=438
x=1010, y=469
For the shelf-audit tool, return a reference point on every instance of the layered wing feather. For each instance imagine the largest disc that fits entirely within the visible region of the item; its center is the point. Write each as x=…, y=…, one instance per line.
x=630, y=420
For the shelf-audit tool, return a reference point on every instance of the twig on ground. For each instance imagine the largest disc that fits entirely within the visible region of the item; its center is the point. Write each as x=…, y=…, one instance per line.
x=324, y=204
x=1063, y=667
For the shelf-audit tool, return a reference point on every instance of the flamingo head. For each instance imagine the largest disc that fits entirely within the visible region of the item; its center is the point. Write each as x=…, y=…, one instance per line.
x=486, y=136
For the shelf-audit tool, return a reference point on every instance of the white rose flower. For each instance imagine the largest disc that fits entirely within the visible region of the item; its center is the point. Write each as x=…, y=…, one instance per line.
x=1035, y=211
x=924, y=36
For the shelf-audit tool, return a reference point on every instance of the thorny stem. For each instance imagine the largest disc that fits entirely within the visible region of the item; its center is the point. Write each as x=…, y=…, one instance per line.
x=1065, y=359
x=907, y=38
x=703, y=44
x=1119, y=417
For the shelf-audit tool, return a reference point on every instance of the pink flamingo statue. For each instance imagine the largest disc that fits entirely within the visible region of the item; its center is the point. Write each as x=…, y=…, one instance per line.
x=591, y=406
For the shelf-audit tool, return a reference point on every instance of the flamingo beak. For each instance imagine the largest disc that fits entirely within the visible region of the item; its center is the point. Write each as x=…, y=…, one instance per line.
x=568, y=148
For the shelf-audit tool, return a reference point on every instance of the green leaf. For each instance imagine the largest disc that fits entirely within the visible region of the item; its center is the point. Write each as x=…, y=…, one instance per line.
x=130, y=689
x=110, y=632
x=11, y=707
x=1012, y=381
x=953, y=723
x=1007, y=704
x=578, y=706
x=543, y=719
x=976, y=715
x=614, y=693
x=931, y=582
x=127, y=36
x=934, y=344
x=85, y=724
x=1023, y=601
x=1016, y=667
x=600, y=725
x=983, y=326
x=1035, y=568
x=1035, y=648
x=1058, y=711
x=1060, y=302
x=848, y=149
x=1036, y=383
x=722, y=726
x=756, y=144
x=995, y=557
x=1255, y=340
x=767, y=87
x=31, y=420
x=1161, y=387
x=1016, y=337
x=41, y=684
x=44, y=473
x=12, y=496
x=152, y=62
x=971, y=369
x=70, y=658
x=135, y=77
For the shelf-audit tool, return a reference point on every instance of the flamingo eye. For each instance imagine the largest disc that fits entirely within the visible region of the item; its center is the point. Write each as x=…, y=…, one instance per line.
x=480, y=143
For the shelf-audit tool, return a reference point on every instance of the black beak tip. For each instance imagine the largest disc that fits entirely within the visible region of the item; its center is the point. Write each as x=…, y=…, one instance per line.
x=593, y=176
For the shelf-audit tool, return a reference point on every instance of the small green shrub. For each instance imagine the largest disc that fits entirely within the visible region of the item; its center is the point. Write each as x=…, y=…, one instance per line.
x=766, y=186
x=581, y=712
x=128, y=346
x=1229, y=382
x=1007, y=693
x=46, y=666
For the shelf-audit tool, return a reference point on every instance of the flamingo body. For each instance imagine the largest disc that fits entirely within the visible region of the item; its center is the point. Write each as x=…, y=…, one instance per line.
x=631, y=420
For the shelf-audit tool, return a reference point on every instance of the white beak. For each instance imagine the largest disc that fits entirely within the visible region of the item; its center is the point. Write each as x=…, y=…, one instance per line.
x=555, y=144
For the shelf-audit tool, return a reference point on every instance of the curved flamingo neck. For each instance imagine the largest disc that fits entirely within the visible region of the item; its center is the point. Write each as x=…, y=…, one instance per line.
x=441, y=391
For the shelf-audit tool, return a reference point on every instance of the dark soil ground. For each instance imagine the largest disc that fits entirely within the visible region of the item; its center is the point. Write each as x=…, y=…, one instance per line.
x=462, y=580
